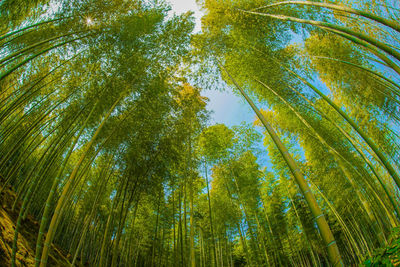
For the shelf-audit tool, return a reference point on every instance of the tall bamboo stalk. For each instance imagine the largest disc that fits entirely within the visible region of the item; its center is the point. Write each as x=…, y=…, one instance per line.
x=389, y=23
x=46, y=212
x=330, y=26
x=60, y=203
x=325, y=231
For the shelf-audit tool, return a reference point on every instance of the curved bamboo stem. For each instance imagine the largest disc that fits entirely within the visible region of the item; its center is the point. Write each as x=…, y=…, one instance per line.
x=389, y=23
x=337, y=29
x=326, y=234
x=60, y=203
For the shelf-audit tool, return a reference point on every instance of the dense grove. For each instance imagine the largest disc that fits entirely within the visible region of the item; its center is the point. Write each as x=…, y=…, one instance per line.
x=107, y=142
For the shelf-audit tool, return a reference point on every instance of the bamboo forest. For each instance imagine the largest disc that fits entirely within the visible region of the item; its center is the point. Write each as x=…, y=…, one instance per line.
x=111, y=153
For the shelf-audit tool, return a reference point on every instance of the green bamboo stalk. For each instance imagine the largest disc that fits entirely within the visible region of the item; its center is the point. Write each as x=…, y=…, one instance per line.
x=45, y=167
x=31, y=147
x=364, y=158
x=243, y=238
x=369, y=141
x=11, y=40
x=12, y=69
x=336, y=155
x=90, y=216
x=210, y=214
x=34, y=83
x=22, y=101
x=17, y=92
x=13, y=124
x=18, y=225
x=322, y=140
x=375, y=73
x=6, y=35
x=307, y=239
x=47, y=209
x=389, y=23
x=326, y=234
x=20, y=53
x=35, y=124
x=121, y=222
x=62, y=199
x=330, y=26
x=255, y=248
x=340, y=220
x=79, y=181
x=16, y=148
x=52, y=150
x=107, y=230
x=390, y=63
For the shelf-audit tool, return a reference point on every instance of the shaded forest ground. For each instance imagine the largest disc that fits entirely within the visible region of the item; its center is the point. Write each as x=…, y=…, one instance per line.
x=26, y=239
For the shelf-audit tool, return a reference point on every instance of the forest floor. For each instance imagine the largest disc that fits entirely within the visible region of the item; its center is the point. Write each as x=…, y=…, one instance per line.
x=26, y=238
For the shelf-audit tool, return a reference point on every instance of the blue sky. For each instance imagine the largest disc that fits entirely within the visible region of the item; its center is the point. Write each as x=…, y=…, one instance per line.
x=227, y=108
x=181, y=6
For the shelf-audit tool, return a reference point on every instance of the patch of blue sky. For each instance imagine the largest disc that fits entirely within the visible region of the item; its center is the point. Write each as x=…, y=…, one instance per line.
x=231, y=109
x=228, y=107
x=183, y=6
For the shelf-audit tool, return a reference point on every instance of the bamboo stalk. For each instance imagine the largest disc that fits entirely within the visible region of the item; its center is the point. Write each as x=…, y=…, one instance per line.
x=53, y=223
x=326, y=234
x=389, y=23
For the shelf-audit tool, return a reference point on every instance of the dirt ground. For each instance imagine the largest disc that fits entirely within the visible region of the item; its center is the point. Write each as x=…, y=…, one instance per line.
x=26, y=239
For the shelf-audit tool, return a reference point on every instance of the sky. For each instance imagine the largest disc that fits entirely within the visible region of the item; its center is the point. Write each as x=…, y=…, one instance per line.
x=182, y=6
x=226, y=107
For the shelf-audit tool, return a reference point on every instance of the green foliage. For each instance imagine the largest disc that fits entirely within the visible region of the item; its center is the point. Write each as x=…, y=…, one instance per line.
x=215, y=141
x=103, y=131
x=388, y=255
